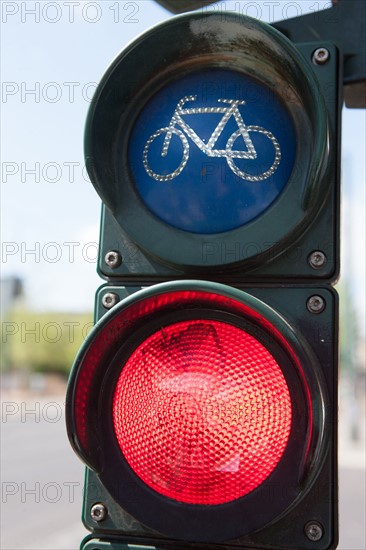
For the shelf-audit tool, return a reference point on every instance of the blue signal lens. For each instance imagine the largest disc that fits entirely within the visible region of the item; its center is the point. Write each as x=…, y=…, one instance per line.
x=212, y=151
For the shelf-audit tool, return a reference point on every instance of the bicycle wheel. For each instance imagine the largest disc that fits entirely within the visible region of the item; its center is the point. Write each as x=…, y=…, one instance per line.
x=185, y=154
x=231, y=155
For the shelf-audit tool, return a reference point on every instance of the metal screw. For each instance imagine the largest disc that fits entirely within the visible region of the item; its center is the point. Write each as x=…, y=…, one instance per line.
x=317, y=259
x=113, y=259
x=321, y=56
x=110, y=299
x=98, y=512
x=314, y=531
x=315, y=304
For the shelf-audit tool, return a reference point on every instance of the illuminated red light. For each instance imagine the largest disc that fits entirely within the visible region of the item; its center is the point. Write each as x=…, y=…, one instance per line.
x=202, y=412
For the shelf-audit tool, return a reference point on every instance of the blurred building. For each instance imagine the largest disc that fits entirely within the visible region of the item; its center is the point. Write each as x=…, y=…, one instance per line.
x=11, y=291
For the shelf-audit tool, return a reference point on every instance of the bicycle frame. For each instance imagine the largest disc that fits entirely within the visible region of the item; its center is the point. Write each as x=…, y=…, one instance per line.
x=179, y=127
x=208, y=148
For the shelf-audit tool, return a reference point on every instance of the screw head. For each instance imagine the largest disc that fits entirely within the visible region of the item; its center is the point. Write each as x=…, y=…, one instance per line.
x=315, y=304
x=317, y=259
x=98, y=512
x=110, y=299
x=321, y=56
x=113, y=259
x=314, y=531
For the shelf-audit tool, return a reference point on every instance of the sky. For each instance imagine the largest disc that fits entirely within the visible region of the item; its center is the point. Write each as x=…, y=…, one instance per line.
x=52, y=56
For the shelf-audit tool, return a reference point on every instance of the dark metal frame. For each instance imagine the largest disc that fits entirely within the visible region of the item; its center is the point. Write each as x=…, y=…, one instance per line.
x=344, y=24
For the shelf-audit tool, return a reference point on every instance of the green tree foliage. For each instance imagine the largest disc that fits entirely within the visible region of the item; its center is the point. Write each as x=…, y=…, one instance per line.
x=349, y=329
x=42, y=342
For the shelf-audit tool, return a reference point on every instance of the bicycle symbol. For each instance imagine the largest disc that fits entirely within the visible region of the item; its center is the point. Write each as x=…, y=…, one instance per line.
x=209, y=148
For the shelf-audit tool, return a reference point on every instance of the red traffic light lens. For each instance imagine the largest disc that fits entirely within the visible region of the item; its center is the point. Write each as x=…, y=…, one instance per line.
x=202, y=412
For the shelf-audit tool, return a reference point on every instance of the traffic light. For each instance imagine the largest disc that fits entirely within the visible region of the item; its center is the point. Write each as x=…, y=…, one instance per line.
x=177, y=6
x=204, y=401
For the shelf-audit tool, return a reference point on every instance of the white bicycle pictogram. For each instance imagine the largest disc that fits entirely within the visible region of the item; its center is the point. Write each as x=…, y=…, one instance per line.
x=208, y=148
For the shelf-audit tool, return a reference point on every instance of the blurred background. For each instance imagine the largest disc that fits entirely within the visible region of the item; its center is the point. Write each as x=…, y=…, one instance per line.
x=52, y=56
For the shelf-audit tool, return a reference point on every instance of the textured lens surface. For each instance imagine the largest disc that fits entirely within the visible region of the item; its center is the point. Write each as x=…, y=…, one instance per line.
x=202, y=412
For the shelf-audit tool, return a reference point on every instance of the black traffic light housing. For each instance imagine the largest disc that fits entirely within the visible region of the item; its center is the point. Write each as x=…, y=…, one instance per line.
x=318, y=503
x=280, y=263
x=265, y=258
x=175, y=6
x=301, y=216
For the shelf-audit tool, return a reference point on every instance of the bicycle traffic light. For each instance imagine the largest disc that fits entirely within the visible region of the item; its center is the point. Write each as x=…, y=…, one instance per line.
x=204, y=400
x=176, y=6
